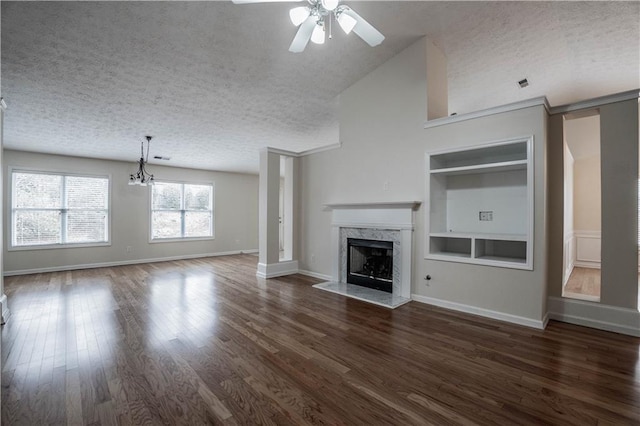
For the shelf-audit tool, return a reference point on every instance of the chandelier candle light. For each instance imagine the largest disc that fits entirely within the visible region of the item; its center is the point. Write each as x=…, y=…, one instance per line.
x=142, y=177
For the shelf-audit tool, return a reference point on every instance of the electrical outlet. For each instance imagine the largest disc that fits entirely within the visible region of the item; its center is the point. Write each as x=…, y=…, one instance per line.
x=486, y=216
x=385, y=186
x=313, y=258
x=129, y=249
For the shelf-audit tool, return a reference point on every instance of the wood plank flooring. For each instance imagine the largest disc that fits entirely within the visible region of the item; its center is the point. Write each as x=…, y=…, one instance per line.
x=583, y=281
x=206, y=342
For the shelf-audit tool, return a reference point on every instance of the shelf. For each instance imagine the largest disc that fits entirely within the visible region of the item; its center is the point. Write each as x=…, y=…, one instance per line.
x=447, y=254
x=504, y=152
x=482, y=168
x=490, y=249
x=451, y=246
x=503, y=259
x=480, y=235
x=484, y=195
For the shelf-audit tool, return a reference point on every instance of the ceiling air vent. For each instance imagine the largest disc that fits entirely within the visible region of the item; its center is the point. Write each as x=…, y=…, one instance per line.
x=523, y=83
x=160, y=157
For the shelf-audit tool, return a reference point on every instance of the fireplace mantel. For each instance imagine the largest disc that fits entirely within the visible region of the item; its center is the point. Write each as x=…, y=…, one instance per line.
x=375, y=215
x=376, y=205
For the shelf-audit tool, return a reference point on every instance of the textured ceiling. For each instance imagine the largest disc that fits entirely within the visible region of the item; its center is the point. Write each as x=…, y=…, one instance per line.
x=213, y=82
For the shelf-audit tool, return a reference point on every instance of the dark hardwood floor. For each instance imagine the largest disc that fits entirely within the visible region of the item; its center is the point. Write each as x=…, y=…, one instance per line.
x=204, y=341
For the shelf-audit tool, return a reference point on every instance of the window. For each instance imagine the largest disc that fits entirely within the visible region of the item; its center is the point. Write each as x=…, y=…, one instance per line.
x=181, y=210
x=56, y=209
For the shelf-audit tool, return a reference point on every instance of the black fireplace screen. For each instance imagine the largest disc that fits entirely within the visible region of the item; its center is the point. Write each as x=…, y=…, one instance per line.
x=370, y=263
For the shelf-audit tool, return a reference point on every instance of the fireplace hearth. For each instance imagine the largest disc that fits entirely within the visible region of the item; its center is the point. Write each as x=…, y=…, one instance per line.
x=370, y=263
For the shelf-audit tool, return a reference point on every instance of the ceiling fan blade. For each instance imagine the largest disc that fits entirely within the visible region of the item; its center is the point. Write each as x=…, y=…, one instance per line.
x=263, y=1
x=303, y=35
x=365, y=30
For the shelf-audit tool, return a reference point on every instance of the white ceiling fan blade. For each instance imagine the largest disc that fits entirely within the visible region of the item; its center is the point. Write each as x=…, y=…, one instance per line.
x=303, y=35
x=263, y=1
x=365, y=30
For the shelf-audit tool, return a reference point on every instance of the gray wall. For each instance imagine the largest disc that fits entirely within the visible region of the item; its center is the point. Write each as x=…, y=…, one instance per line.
x=383, y=159
x=619, y=177
x=510, y=291
x=619, y=153
x=236, y=214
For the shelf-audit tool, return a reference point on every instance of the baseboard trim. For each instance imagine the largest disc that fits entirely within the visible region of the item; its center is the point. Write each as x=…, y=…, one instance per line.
x=315, y=275
x=545, y=320
x=586, y=264
x=595, y=315
x=122, y=263
x=273, y=270
x=501, y=316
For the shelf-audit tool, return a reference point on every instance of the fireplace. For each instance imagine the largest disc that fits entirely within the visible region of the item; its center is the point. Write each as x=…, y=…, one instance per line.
x=370, y=263
x=371, y=251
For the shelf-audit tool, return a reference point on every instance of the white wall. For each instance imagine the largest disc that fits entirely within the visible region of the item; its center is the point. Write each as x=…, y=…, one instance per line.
x=236, y=215
x=587, y=209
x=382, y=159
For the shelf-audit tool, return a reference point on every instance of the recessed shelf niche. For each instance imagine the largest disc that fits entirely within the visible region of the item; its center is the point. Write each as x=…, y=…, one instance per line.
x=481, y=204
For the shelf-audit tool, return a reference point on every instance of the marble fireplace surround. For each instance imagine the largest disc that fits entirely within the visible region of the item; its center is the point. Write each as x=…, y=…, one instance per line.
x=382, y=221
x=371, y=234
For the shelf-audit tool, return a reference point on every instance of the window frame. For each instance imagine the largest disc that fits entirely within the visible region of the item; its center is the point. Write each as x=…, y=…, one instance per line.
x=61, y=245
x=182, y=212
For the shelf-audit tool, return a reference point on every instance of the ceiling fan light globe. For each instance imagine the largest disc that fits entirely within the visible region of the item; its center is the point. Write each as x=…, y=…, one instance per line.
x=318, y=34
x=299, y=14
x=330, y=4
x=347, y=23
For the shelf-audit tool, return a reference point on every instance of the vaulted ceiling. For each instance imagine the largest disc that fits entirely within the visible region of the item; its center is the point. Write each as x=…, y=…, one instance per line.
x=213, y=82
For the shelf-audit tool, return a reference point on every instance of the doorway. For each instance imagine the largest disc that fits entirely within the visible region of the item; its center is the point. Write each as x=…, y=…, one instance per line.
x=582, y=206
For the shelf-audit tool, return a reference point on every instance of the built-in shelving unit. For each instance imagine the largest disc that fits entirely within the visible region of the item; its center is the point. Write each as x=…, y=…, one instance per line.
x=481, y=204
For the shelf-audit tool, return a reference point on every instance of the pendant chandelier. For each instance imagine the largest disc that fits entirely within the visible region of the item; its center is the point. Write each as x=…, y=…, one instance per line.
x=142, y=177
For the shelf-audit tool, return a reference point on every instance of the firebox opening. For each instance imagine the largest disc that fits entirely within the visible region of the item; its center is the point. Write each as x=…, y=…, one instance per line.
x=370, y=264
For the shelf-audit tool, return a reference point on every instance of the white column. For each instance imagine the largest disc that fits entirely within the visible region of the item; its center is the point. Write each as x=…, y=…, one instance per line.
x=269, y=188
x=289, y=218
x=269, y=264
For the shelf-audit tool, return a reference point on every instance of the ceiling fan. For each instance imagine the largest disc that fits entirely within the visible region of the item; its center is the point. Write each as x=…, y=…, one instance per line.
x=311, y=20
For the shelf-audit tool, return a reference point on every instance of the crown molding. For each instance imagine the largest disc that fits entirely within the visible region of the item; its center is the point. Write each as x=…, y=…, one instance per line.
x=596, y=102
x=540, y=101
x=303, y=153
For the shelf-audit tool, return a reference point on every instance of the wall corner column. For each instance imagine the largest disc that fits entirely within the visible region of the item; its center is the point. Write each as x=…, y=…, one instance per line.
x=4, y=308
x=269, y=264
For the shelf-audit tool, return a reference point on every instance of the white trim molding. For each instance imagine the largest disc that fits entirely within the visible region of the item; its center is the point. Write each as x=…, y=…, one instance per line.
x=312, y=274
x=588, y=246
x=304, y=153
x=273, y=270
x=487, y=313
x=122, y=263
x=542, y=100
x=596, y=102
x=594, y=315
x=376, y=205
